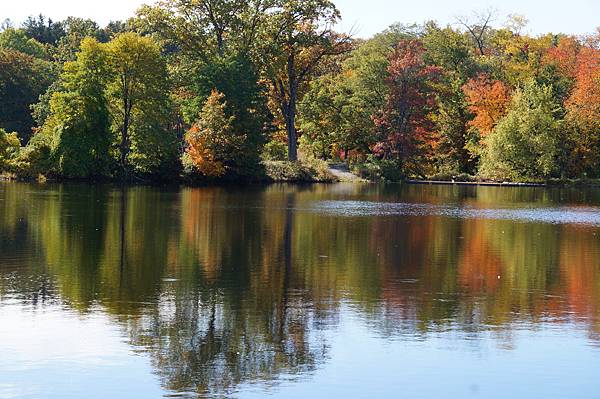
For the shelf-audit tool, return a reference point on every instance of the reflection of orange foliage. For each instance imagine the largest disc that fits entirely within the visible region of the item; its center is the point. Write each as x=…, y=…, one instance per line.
x=580, y=269
x=200, y=223
x=500, y=272
x=201, y=156
x=424, y=269
x=488, y=100
x=479, y=266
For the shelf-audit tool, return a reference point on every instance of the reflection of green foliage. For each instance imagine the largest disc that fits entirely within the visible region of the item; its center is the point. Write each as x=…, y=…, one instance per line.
x=223, y=286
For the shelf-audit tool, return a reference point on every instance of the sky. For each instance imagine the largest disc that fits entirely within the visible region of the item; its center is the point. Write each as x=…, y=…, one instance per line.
x=363, y=17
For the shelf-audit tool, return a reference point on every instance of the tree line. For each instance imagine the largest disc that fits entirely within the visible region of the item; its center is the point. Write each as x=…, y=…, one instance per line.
x=229, y=88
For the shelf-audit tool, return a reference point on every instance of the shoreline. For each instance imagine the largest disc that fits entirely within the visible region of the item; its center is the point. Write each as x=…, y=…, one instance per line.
x=262, y=182
x=477, y=183
x=575, y=183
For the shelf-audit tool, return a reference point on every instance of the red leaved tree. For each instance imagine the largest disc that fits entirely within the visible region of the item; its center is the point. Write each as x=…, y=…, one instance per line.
x=405, y=127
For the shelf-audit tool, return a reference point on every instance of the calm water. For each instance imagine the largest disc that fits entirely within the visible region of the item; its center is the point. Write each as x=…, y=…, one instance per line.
x=349, y=291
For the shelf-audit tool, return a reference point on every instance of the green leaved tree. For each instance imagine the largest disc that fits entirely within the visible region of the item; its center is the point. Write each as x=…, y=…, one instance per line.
x=528, y=142
x=140, y=107
x=22, y=79
x=79, y=124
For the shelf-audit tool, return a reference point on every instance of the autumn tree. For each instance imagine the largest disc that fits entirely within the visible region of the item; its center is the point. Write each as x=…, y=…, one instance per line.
x=564, y=55
x=450, y=50
x=212, y=45
x=583, y=114
x=488, y=100
x=559, y=66
x=237, y=79
x=213, y=147
x=404, y=124
x=335, y=115
x=423, y=99
x=516, y=58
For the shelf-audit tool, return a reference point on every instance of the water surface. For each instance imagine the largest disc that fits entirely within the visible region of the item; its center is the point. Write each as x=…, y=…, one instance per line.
x=355, y=291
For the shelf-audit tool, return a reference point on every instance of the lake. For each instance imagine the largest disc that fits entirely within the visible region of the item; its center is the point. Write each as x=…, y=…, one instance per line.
x=349, y=291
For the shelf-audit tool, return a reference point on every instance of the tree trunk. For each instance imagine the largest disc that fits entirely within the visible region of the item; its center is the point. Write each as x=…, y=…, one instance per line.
x=291, y=135
x=287, y=260
x=127, y=107
x=123, y=146
x=290, y=118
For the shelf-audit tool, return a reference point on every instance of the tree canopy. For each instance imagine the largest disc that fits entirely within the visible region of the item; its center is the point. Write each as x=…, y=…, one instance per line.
x=216, y=87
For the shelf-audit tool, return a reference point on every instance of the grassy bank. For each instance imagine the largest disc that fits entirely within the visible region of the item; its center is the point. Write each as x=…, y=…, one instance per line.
x=303, y=171
x=315, y=171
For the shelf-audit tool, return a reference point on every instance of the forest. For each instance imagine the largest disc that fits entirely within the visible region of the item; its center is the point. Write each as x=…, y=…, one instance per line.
x=255, y=90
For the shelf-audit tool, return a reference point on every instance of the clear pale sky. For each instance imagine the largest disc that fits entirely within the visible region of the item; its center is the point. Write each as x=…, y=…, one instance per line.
x=366, y=16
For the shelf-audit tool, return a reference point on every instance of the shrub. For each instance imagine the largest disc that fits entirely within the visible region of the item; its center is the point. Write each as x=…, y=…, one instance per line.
x=275, y=150
x=299, y=171
x=9, y=149
x=34, y=159
x=378, y=169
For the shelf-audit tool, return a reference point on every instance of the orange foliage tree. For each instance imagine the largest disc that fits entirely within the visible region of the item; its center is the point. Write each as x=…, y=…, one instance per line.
x=488, y=100
x=583, y=113
x=212, y=146
x=564, y=55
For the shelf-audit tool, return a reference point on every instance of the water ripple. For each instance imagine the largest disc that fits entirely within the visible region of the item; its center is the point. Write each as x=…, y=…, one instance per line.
x=554, y=215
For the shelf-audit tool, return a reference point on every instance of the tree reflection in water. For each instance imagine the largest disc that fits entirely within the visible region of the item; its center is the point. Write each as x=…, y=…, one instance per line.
x=226, y=286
